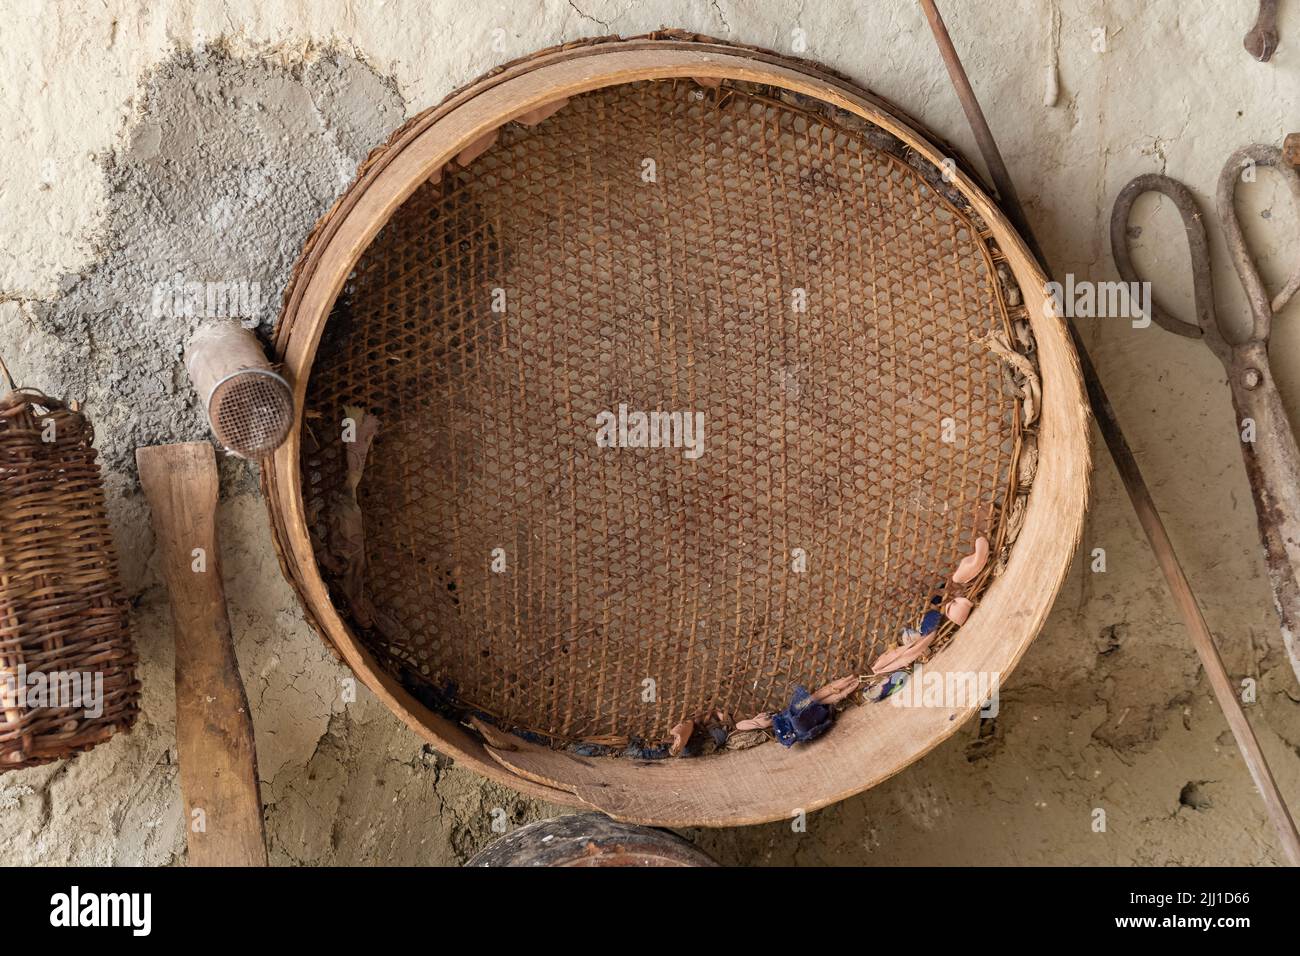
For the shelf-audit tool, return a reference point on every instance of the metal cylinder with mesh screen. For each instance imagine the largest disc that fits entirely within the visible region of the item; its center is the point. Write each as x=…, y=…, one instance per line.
x=644, y=382
x=248, y=404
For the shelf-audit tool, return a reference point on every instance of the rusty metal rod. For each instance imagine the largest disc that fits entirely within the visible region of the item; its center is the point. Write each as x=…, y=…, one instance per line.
x=1291, y=149
x=1126, y=464
x=1261, y=41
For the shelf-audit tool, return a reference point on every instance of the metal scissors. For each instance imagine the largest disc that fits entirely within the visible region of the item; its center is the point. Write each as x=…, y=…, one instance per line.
x=1268, y=443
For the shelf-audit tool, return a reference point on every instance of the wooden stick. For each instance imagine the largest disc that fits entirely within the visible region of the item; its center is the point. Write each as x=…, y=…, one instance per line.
x=214, y=732
x=1126, y=464
x=6, y=379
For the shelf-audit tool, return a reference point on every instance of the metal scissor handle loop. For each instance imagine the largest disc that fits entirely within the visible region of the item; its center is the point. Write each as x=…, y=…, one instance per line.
x=1197, y=244
x=1261, y=307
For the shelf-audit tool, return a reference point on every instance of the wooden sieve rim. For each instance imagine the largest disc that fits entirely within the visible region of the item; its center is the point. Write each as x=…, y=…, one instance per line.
x=762, y=784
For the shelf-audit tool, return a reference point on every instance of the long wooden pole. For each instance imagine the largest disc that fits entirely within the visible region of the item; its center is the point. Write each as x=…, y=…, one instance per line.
x=1126, y=463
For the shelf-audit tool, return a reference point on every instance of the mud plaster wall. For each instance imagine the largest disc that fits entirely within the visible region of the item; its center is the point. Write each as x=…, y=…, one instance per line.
x=151, y=141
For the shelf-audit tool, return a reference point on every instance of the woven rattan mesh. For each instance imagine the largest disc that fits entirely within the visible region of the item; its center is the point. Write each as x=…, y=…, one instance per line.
x=67, y=661
x=669, y=248
x=251, y=412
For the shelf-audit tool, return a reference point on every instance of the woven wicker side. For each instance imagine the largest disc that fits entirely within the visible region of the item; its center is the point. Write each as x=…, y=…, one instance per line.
x=67, y=660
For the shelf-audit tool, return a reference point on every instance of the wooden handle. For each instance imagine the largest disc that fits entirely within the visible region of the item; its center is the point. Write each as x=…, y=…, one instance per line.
x=214, y=732
x=1273, y=467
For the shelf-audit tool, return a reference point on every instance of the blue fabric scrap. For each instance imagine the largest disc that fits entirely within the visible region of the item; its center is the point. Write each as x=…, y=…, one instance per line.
x=637, y=750
x=930, y=621
x=803, y=720
x=894, y=681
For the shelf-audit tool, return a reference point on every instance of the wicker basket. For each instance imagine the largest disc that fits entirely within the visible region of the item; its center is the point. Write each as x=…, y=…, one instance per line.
x=67, y=661
x=669, y=223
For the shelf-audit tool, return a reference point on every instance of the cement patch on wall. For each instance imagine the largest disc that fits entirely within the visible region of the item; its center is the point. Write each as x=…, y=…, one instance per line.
x=228, y=167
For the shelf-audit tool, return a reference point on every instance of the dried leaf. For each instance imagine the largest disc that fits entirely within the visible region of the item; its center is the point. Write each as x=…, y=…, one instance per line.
x=1033, y=399
x=958, y=610
x=761, y=722
x=837, y=690
x=681, y=736
x=1027, y=467
x=1023, y=333
x=1010, y=288
x=872, y=684
x=347, y=535
x=744, y=739
x=972, y=564
x=1031, y=389
x=539, y=113
x=477, y=148
x=901, y=656
x=1016, y=519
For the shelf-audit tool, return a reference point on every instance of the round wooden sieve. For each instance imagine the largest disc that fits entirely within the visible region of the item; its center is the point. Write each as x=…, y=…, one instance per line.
x=673, y=227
